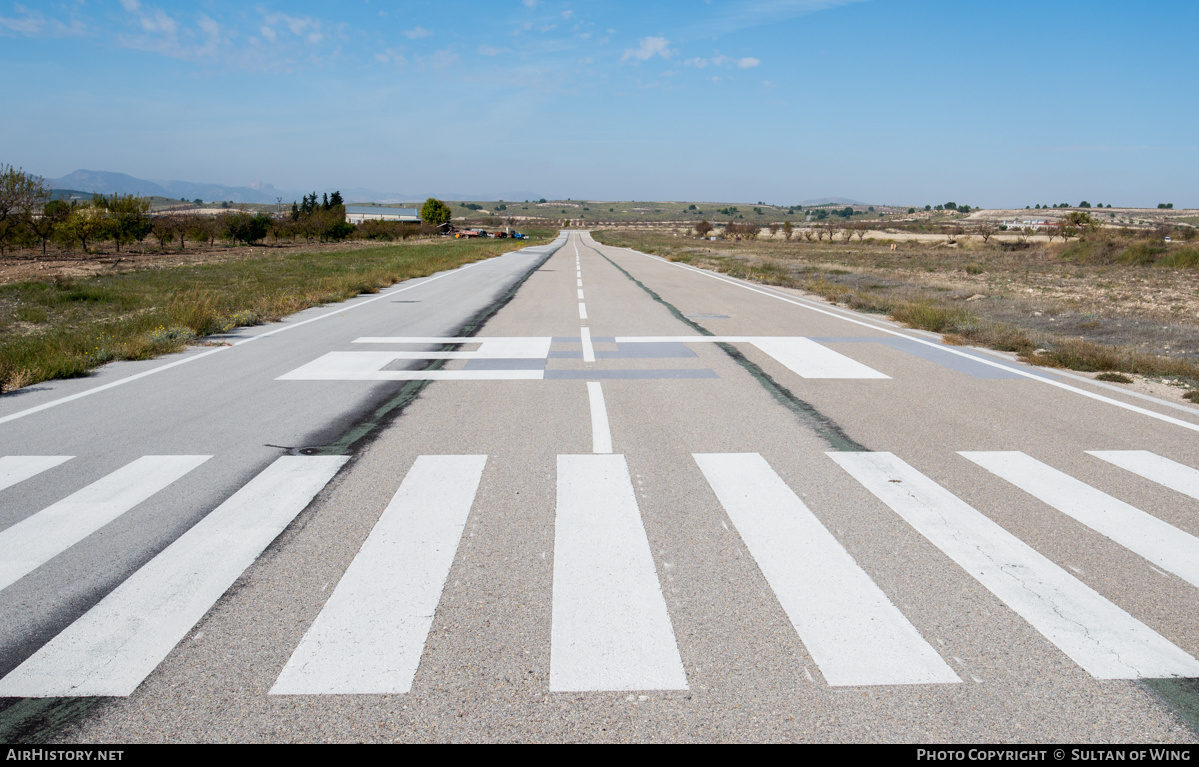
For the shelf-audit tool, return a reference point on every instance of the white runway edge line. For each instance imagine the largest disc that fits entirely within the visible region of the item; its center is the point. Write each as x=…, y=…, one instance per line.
x=1159, y=542
x=1011, y=368
x=219, y=349
x=610, y=627
x=369, y=637
x=119, y=642
x=1154, y=467
x=854, y=633
x=18, y=468
x=601, y=436
x=1104, y=640
x=39, y=538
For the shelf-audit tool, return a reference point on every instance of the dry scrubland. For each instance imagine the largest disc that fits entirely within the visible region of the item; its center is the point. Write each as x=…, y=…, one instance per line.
x=89, y=309
x=1124, y=306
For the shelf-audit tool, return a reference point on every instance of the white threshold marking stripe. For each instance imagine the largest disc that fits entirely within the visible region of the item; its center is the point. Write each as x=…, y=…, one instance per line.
x=201, y=355
x=588, y=348
x=610, y=627
x=582, y=311
x=936, y=345
x=369, y=637
x=854, y=633
x=119, y=642
x=39, y=538
x=802, y=356
x=1159, y=542
x=1151, y=466
x=18, y=468
x=601, y=436
x=1104, y=640
x=808, y=359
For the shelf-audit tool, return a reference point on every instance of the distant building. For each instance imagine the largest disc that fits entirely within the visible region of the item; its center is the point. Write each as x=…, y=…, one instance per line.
x=356, y=214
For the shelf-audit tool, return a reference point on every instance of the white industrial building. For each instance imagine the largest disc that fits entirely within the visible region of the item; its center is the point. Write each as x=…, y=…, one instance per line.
x=356, y=214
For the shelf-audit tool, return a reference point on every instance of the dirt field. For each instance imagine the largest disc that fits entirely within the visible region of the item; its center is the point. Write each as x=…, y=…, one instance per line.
x=1035, y=293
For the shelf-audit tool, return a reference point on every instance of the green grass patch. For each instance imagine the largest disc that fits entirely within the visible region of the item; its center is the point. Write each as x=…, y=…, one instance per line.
x=65, y=328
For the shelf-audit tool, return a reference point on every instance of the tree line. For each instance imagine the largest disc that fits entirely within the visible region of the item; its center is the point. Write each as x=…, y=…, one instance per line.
x=29, y=218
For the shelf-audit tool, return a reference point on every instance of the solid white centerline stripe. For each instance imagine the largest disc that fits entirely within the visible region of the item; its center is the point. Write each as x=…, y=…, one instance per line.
x=1106, y=641
x=610, y=628
x=588, y=349
x=369, y=636
x=37, y=539
x=1160, y=542
x=582, y=311
x=601, y=436
x=120, y=641
x=1154, y=467
x=18, y=468
x=854, y=633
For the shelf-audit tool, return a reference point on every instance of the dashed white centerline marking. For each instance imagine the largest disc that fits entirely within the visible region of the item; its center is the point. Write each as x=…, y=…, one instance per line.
x=588, y=348
x=582, y=311
x=580, y=294
x=601, y=436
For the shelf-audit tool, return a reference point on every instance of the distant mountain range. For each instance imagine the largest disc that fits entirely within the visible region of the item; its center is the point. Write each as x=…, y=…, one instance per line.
x=107, y=182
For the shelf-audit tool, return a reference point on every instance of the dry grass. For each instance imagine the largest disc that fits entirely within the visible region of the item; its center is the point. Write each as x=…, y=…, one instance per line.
x=1082, y=306
x=64, y=328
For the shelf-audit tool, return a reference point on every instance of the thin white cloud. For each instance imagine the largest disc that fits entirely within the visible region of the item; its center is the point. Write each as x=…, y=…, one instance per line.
x=720, y=60
x=529, y=3
x=416, y=33
x=29, y=23
x=648, y=48
x=491, y=50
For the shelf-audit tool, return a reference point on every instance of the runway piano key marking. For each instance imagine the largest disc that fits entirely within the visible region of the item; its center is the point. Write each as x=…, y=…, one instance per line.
x=1160, y=542
x=1155, y=468
x=854, y=633
x=610, y=627
x=369, y=636
x=18, y=468
x=1104, y=640
x=114, y=646
x=39, y=538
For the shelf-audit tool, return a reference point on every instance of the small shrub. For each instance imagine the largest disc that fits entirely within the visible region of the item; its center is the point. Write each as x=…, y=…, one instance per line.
x=1114, y=378
x=1192, y=395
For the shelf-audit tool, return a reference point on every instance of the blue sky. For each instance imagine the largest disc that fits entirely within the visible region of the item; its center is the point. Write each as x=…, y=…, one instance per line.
x=889, y=101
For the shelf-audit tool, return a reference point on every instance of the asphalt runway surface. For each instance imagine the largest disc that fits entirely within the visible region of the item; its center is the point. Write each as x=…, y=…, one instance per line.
x=643, y=503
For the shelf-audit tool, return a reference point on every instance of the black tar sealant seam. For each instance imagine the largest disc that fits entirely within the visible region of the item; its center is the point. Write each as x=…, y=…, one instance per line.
x=826, y=428
x=365, y=431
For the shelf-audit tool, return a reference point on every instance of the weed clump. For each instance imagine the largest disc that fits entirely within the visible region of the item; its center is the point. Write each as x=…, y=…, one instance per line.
x=1114, y=378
